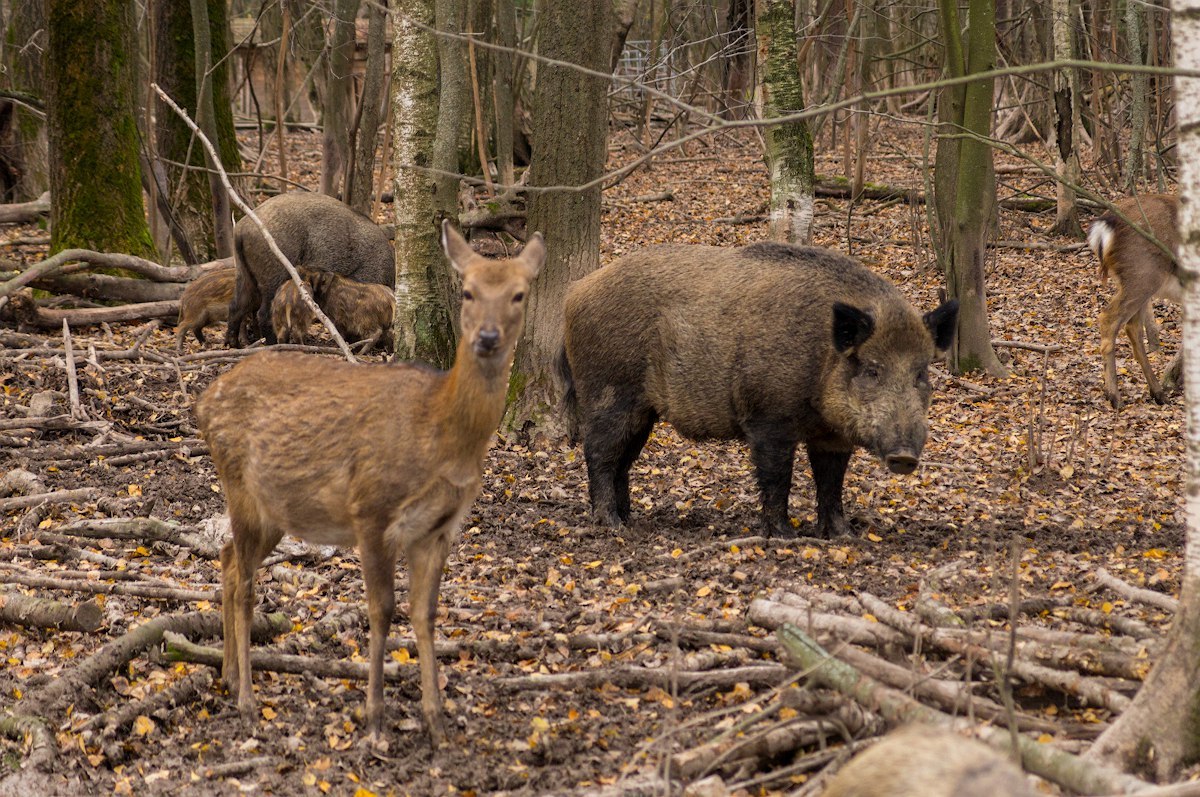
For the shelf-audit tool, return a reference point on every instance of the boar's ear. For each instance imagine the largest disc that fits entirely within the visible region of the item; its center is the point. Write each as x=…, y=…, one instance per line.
x=455, y=246
x=534, y=254
x=851, y=327
x=942, y=323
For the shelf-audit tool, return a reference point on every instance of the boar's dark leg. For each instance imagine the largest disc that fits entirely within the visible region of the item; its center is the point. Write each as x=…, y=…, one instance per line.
x=829, y=472
x=610, y=447
x=772, y=458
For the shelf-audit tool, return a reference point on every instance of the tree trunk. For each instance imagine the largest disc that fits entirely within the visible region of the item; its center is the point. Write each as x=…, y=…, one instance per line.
x=360, y=188
x=1160, y=732
x=736, y=66
x=423, y=329
x=503, y=62
x=339, y=88
x=789, y=151
x=23, y=152
x=965, y=180
x=179, y=156
x=569, y=147
x=96, y=187
x=1139, y=102
x=206, y=120
x=454, y=99
x=1066, y=121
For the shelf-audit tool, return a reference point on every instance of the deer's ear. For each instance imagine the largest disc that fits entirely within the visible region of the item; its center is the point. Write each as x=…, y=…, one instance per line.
x=455, y=246
x=534, y=254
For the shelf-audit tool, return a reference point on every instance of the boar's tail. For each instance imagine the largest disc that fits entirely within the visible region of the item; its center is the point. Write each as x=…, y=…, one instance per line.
x=570, y=401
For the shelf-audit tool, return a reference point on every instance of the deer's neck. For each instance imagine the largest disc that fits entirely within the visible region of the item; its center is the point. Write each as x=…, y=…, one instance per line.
x=472, y=400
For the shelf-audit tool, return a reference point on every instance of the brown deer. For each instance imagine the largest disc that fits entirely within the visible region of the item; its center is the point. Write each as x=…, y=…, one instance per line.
x=1143, y=268
x=385, y=457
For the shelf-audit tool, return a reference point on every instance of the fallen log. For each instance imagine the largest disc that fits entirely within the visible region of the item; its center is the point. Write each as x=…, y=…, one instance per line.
x=33, y=612
x=90, y=316
x=26, y=212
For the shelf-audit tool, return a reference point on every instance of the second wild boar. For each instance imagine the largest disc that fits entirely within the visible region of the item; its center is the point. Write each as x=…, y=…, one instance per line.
x=361, y=311
x=773, y=344
x=290, y=314
x=205, y=301
x=312, y=230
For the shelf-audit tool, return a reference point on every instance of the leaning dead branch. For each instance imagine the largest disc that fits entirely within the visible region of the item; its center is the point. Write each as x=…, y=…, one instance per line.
x=1044, y=760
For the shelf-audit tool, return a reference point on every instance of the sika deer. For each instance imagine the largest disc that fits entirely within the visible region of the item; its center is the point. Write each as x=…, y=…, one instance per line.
x=385, y=457
x=1142, y=271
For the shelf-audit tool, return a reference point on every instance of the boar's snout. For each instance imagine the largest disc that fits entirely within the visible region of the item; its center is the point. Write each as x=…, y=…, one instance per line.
x=902, y=461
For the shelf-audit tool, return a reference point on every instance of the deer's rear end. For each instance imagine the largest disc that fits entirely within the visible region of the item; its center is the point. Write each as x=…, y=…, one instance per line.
x=1142, y=270
x=387, y=458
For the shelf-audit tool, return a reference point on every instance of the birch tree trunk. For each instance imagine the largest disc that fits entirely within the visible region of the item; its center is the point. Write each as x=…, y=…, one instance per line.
x=965, y=187
x=423, y=329
x=789, y=148
x=1160, y=731
x=1066, y=120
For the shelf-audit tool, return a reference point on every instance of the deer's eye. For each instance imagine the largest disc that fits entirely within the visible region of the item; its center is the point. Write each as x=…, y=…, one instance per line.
x=468, y=296
x=518, y=297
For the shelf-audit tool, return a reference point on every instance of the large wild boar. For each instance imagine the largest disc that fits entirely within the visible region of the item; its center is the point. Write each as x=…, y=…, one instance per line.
x=772, y=344
x=313, y=230
x=920, y=761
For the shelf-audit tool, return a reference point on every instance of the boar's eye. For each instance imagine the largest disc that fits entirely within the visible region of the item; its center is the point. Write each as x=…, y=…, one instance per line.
x=468, y=296
x=518, y=297
x=869, y=371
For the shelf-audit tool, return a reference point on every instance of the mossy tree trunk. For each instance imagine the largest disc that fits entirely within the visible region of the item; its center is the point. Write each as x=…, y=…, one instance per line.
x=423, y=328
x=570, y=129
x=502, y=62
x=789, y=151
x=190, y=192
x=1159, y=733
x=95, y=179
x=965, y=180
x=25, y=158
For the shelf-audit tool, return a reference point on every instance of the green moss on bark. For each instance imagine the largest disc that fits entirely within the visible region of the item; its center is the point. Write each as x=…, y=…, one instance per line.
x=95, y=177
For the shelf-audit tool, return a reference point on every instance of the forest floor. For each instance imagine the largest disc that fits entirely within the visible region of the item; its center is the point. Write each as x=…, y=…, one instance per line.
x=576, y=658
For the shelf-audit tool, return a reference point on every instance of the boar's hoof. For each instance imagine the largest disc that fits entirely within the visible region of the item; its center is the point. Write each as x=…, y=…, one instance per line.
x=902, y=462
x=608, y=518
x=829, y=528
x=784, y=530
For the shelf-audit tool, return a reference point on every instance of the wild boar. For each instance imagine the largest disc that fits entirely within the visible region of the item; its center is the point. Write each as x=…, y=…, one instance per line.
x=205, y=301
x=360, y=311
x=290, y=314
x=769, y=343
x=929, y=762
x=313, y=230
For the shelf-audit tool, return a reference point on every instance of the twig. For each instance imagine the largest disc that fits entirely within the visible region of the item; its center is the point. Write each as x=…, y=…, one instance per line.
x=72, y=378
x=1138, y=594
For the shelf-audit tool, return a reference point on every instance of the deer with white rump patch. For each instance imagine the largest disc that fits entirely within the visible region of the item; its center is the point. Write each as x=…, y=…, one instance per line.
x=1143, y=269
x=385, y=457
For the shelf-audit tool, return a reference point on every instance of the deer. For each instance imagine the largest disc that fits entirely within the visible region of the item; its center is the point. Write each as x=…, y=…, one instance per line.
x=1136, y=243
x=386, y=457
